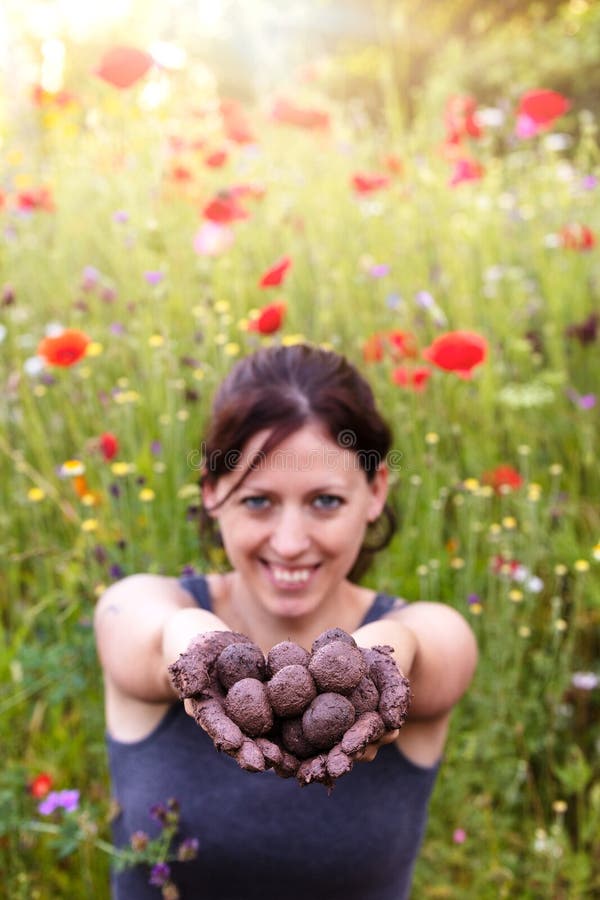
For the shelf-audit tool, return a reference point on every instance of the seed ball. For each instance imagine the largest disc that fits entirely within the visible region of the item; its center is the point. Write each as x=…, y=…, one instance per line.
x=240, y=661
x=247, y=704
x=337, y=667
x=286, y=653
x=365, y=696
x=327, y=718
x=290, y=690
x=294, y=740
x=332, y=634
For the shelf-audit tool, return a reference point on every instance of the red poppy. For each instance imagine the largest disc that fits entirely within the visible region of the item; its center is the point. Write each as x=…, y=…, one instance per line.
x=466, y=169
x=235, y=123
x=181, y=174
x=274, y=276
x=402, y=343
x=252, y=191
x=503, y=476
x=287, y=113
x=40, y=785
x=393, y=164
x=269, y=319
x=216, y=160
x=538, y=110
x=416, y=379
x=577, y=237
x=457, y=351
x=37, y=198
x=64, y=349
x=109, y=445
x=224, y=209
x=123, y=66
x=364, y=183
x=460, y=119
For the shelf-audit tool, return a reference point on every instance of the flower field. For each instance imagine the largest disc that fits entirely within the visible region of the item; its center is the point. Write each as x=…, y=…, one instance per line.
x=145, y=247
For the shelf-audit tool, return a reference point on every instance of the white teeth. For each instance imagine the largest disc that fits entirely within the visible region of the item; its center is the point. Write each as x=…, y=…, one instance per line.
x=291, y=577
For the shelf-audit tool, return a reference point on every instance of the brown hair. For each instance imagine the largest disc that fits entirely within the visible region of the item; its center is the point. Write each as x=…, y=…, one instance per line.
x=282, y=389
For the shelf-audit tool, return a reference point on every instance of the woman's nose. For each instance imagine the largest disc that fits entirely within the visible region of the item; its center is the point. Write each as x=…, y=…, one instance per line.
x=290, y=537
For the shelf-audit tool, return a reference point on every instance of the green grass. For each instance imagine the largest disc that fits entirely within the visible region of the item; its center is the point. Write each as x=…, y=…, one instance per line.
x=521, y=769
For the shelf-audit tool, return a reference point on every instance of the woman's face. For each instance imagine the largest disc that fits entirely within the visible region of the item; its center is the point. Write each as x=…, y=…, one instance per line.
x=294, y=528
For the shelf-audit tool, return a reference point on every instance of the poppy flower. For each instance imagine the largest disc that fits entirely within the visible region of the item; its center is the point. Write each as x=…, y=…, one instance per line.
x=538, y=110
x=373, y=348
x=40, y=785
x=212, y=239
x=287, y=113
x=64, y=349
x=415, y=379
x=466, y=169
x=503, y=476
x=123, y=66
x=216, y=160
x=364, y=183
x=224, y=209
x=460, y=119
x=457, y=351
x=181, y=174
x=252, y=191
x=402, y=343
x=577, y=237
x=109, y=445
x=275, y=276
x=37, y=198
x=269, y=319
x=235, y=123
x=393, y=164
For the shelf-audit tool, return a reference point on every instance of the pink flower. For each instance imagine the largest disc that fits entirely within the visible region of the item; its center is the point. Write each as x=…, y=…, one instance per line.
x=212, y=239
x=459, y=836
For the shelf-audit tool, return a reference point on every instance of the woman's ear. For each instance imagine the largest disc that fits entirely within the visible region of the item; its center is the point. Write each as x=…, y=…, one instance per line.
x=379, y=487
x=208, y=494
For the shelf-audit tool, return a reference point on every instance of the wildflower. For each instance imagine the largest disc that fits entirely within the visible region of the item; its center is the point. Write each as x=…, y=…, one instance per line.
x=501, y=477
x=560, y=807
x=538, y=110
x=515, y=595
x=431, y=438
x=577, y=237
x=596, y=551
x=416, y=379
x=269, y=319
x=109, y=445
x=581, y=565
x=466, y=169
x=122, y=468
x=379, y=270
x=457, y=351
x=35, y=494
x=216, y=160
x=89, y=525
x=71, y=468
x=139, y=841
x=364, y=183
x=188, y=849
x=67, y=800
x=156, y=340
x=121, y=67
x=40, y=785
x=121, y=216
x=154, y=276
x=160, y=874
x=585, y=332
x=459, y=836
x=90, y=278
x=393, y=164
x=64, y=349
x=224, y=209
x=583, y=401
x=585, y=681
x=146, y=495
x=36, y=199
x=287, y=113
x=524, y=631
x=213, y=239
x=276, y=274
x=460, y=118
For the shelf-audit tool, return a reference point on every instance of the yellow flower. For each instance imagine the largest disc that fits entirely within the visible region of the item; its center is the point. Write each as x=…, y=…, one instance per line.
x=90, y=499
x=72, y=467
x=199, y=374
x=561, y=625
x=515, y=595
x=523, y=450
x=89, y=525
x=122, y=468
x=524, y=631
x=596, y=551
x=156, y=340
x=457, y=563
x=40, y=389
x=288, y=340
x=534, y=492
x=231, y=349
x=495, y=529
x=243, y=324
x=146, y=495
x=187, y=491
x=94, y=348
x=431, y=438
x=99, y=589
x=485, y=490
x=422, y=570
x=560, y=569
x=222, y=306
x=475, y=609
x=122, y=397
x=559, y=806
x=470, y=484
x=555, y=469
x=509, y=523
x=35, y=494
x=581, y=565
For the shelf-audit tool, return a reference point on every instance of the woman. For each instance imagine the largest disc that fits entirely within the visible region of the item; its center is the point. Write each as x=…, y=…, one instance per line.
x=295, y=480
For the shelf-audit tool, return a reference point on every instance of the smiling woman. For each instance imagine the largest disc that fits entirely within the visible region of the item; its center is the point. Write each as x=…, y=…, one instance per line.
x=295, y=480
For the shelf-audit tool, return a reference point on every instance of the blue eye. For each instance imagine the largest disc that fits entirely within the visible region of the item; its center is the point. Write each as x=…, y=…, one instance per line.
x=255, y=504
x=328, y=501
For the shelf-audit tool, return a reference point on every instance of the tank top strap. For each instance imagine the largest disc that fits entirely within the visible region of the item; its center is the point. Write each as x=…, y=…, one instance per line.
x=197, y=586
x=381, y=606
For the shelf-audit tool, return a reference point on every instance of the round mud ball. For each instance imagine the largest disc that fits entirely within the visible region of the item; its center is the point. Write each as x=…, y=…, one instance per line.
x=240, y=661
x=365, y=696
x=247, y=704
x=290, y=690
x=286, y=653
x=332, y=634
x=337, y=667
x=327, y=718
x=293, y=739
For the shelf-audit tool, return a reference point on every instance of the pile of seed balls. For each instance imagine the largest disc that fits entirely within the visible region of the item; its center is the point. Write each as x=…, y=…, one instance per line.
x=302, y=714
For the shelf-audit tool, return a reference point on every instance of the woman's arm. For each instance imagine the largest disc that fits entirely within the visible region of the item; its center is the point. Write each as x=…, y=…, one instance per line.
x=142, y=624
x=436, y=650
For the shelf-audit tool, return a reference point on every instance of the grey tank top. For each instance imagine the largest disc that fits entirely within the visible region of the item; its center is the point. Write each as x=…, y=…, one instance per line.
x=262, y=837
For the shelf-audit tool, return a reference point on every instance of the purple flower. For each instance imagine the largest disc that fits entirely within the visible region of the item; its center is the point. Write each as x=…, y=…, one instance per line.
x=589, y=182
x=585, y=681
x=89, y=278
x=393, y=301
x=117, y=328
x=156, y=448
x=188, y=849
x=379, y=270
x=154, y=277
x=121, y=216
x=424, y=300
x=116, y=572
x=67, y=800
x=472, y=599
x=583, y=401
x=160, y=874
